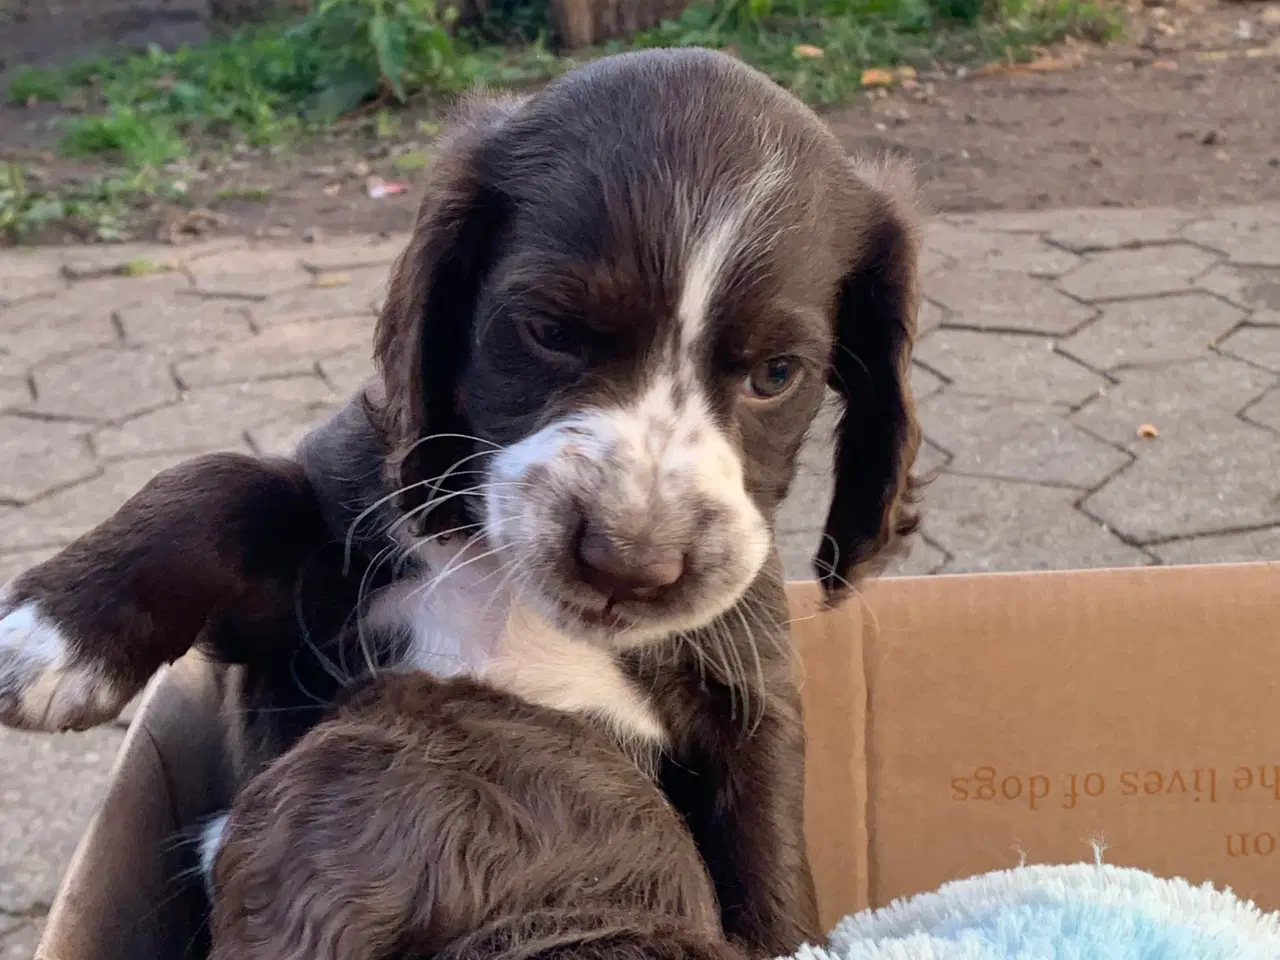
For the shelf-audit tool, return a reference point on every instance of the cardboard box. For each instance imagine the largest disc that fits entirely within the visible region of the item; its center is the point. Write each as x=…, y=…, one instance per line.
x=955, y=724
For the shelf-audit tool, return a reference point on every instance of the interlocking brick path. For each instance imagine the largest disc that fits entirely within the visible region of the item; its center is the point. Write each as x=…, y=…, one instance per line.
x=1048, y=340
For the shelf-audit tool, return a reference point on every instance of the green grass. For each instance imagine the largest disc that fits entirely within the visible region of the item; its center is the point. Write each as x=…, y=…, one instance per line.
x=99, y=208
x=270, y=85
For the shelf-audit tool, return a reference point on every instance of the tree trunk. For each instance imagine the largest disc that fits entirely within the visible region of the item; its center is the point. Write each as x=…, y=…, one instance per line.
x=584, y=23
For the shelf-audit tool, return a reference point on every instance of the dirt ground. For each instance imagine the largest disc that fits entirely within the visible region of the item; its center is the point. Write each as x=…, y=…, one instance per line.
x=1185, y=111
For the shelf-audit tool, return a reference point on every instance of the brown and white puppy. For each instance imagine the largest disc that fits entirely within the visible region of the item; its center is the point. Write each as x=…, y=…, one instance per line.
x=599, y=357
x=442, y=818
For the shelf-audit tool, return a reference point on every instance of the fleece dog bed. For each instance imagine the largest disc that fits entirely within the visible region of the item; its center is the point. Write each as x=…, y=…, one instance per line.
x=1084, y=911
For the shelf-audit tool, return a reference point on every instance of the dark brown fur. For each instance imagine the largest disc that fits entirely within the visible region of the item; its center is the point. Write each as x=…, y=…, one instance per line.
x=515, y=188
x=441, y=818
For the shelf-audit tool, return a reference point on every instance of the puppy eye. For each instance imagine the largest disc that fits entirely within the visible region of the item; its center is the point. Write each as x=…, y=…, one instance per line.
x=772, y=378
x=552, y=335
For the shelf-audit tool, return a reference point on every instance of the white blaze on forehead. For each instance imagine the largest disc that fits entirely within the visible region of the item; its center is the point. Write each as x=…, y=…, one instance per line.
x=726, y=234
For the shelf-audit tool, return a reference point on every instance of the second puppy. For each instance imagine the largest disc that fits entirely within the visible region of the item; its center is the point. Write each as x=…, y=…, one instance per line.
x=446, y=819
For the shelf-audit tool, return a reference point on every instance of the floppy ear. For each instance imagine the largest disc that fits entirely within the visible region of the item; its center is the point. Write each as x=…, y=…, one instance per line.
x=878, y=434
x=422, y=335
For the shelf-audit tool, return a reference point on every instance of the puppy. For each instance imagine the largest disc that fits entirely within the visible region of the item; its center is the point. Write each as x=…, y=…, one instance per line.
x=430, y=818
x=598, y=359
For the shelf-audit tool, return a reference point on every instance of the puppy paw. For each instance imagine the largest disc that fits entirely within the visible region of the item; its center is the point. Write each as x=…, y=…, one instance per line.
x=44, y=684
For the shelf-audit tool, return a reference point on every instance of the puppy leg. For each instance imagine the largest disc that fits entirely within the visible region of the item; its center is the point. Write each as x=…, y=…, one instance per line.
x=81, y=633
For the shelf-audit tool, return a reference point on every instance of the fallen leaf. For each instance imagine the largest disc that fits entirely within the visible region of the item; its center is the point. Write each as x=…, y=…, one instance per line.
x=808, y=51
x=1164, y=65
x=1213, y=56
x=326, y=280
x=1148, y=431
x=906, y=73
x=333, y=189
x=875, y=77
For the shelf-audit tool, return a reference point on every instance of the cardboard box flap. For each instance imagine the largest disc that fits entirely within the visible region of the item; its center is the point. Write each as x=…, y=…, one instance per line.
x=1014, y=714
x=834, y=689
x=130, y=891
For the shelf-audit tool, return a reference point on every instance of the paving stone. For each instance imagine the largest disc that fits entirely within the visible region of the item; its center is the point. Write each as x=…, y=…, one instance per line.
x=1007, y=365
x=999, y=525
x=107, y=385
x=354, y=253
x=20, y=943
x=12, y=564
x=993, y=250
x=40, y=456
x=348, y=372
x=1016, y=440
x=1222, y=477
x=14, y=391
x=287, y=350
x=1231, y=548
x=1266, y=411
x=996, y=300
x=930, y=460
x=1259, y=345
x=130, y=258
x=1247, y=235
x=1087, y=230
x=281, y=436
x=183, y=326
x=1252, y=288
x=1153, y=331
x=924, y=383
x=1180, y=399
x=361, y=294
x=52, y=785
x=250, y=274
x=1145, y=272
x=922, y=559
x=210, y=418
x=62, y=516
x=931, y=316
x=25, y=274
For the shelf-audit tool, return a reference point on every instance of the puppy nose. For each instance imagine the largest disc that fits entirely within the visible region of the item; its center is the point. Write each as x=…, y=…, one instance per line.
x=627, y=571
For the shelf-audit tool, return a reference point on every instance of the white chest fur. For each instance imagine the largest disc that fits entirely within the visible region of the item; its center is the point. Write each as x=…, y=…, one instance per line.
x=465, y=620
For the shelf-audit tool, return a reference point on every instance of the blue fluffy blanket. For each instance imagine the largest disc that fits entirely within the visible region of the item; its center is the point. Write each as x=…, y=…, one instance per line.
x=1075, y=912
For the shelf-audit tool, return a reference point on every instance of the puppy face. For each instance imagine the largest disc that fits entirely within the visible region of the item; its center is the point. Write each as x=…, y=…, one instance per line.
x=619, y=313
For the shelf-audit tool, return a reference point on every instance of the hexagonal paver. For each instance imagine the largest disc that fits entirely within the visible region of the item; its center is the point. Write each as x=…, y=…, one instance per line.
x=1152, y=331
x=1007, y=365
x=14, y=391
x=287, y=350
x=999, y=525
x=924, y=383
x=1088, y=230
x=1223, y=477
x=103, y=386
x=361, y=293
x=930, y=318
x=250, y=274
x=992, y=250
x=20, y=943
x=211, y=418
x=1253, y=288
x=1248, y=235
x=40, y=456
x=1266, y=411
x=25, y=274
x=62, y=516
x=1178, y=399
x=1016, y=440
x=1247, y=547
x=355, y=253
x=995, y=300
x=80, y=263
x=1259, y=345
x=183, y=326
x=52, y=785
x=1145, y=272
x=348, y=371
